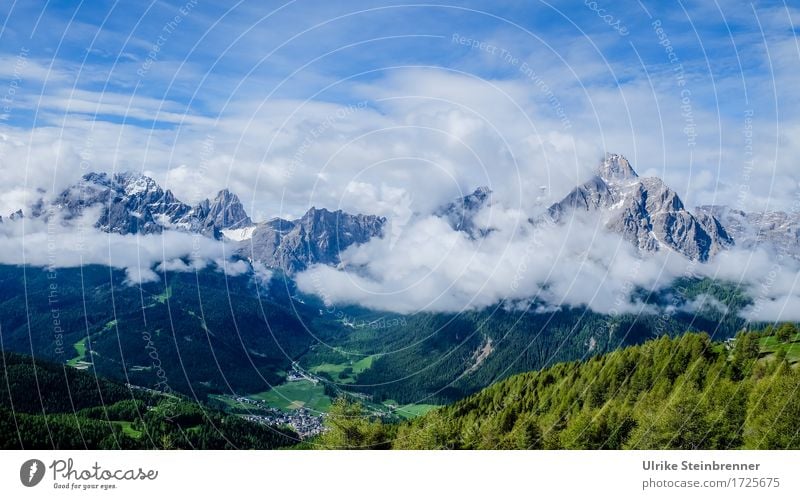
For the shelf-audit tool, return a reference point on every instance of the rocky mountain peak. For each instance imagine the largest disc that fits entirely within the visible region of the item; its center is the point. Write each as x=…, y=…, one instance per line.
x=460, y=214
x=134, y=203
x=645, y=211
x=777, y=230
x=481, y=193
x=226, y=197
x=659, y=197
x=590, y=196
x=615, y=167
x=134, y=184
x=314, y=213
x=319, y=236
x=97, y=178
x=226, y=211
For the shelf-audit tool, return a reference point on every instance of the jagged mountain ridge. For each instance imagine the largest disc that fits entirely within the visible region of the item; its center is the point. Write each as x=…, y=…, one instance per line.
x=13, y=216
x=460, y=214
x=645, y=211
x=777, y=229
x=133, y=203
x=319, y=236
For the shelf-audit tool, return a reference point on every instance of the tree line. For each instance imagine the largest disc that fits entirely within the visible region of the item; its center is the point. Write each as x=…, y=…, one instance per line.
x=687, y=392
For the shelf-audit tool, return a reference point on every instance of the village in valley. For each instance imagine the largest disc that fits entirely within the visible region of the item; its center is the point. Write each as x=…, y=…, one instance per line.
x=306, y=421
x=301, y=403
x=303, y=421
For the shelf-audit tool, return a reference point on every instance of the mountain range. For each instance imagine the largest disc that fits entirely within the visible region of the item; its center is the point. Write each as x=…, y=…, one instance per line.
x=135, y=204
x=222, y=334
x=317, y=237
x=644, y=211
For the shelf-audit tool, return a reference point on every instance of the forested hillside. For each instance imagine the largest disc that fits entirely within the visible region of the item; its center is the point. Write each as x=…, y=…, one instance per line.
x=441, y=358
x=682, y=393
x=195, y=333
x=49, y=406
x=210, y=333
x=670, y=393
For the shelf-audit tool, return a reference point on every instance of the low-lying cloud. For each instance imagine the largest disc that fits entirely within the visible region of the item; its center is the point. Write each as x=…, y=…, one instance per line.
x=427, y=266
x=54, y=244
x=432, y=267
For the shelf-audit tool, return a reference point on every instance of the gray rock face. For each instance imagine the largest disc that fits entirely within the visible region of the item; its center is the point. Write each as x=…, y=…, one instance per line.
x=460, y=214
x=318, y=237
x=616, y=168
x=17, y=215
x=135, y=204
x=644, y=211
x=654, y=216
x=593, y=195
x=125, y=199
x=227, y=212
x=210, y=217
x=777, y=230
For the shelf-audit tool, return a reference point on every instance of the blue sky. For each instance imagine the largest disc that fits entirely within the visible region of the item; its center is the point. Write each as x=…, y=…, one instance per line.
x=262, y=42
x=547, y=89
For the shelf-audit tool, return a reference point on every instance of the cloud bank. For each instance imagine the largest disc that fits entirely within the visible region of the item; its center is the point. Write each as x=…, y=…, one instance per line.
x=423, y=265
x=431, y=267
x=144, y=258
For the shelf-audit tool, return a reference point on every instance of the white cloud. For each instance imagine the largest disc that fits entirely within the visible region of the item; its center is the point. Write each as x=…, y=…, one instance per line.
x=434, y=268
x=784, y=308
x=143, y=257
x=262, y=273
x=433, y=133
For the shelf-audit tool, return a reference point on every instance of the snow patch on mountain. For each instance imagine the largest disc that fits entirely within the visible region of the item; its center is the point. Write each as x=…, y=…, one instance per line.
x=241, y=234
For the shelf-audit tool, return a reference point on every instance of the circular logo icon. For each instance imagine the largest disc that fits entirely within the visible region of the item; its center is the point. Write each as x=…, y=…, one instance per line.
x=31, y=472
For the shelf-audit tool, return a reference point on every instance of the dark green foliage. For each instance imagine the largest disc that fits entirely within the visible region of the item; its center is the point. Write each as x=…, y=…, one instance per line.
x=349, y=428
x=682, y=393
x=59, y=431
x=28, y=386
x=786, y=332
x=433, y=356
x=745, y=351
x=209, y=333
x=774, y=411
x=50, y=406
x=124, y=410
x=193, y=333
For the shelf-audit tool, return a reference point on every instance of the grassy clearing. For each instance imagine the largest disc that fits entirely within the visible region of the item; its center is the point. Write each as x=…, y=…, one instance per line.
x=771, y=344
x=296, y=394
x=345, y=372
x=163, y=297
x=231, y=405
x=80, y=348
x=127, y=429
x=410, y=411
